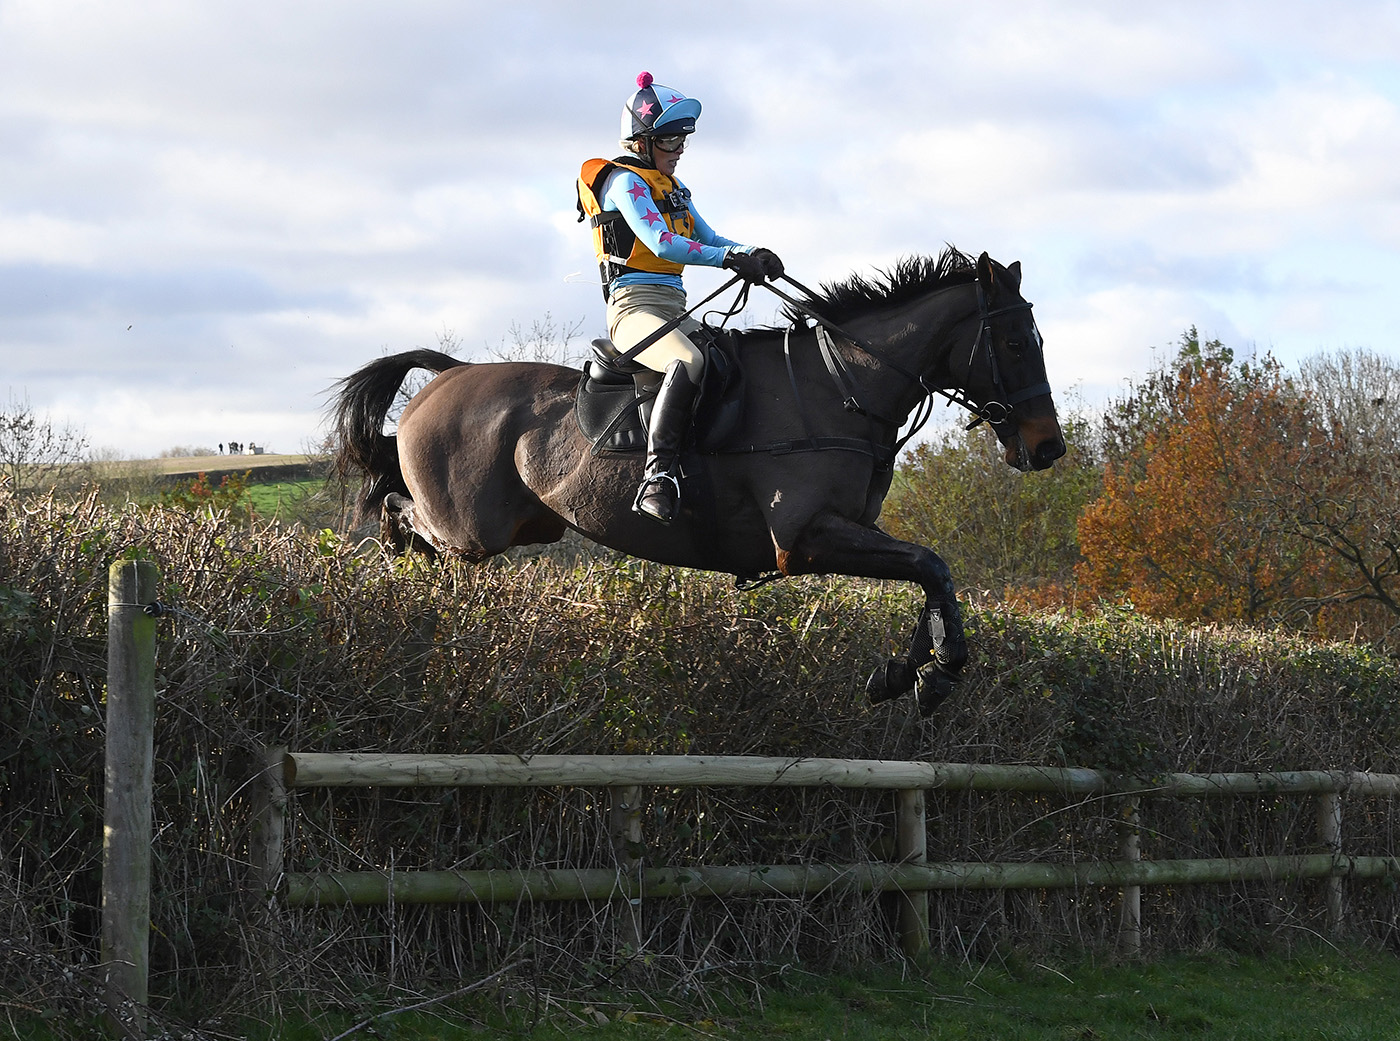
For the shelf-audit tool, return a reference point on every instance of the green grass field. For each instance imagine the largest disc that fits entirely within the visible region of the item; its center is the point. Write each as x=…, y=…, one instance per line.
x=276, y=499
x=1328, y=996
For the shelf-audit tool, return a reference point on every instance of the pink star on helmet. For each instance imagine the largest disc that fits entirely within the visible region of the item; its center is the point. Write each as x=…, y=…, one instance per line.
x=673, y=99
x=637, y=190
x=644, y=109
x=695, y=247
x=651, y=217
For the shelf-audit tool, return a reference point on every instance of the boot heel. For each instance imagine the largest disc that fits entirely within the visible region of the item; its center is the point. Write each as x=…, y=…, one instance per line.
x=658, y=498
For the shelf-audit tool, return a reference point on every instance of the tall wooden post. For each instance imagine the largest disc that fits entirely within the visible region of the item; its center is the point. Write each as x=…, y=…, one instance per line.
x=911, y=847
x=126, y=845
x=1130, y=851
x=266, y=851
x=1329, y=833
x=625, y=828
x=270, y=818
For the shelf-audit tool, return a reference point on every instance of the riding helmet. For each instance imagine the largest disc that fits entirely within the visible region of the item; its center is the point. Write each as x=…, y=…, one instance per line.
x=654, y=110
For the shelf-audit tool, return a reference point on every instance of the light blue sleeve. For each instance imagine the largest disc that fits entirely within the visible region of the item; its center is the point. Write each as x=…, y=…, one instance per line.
x=629, y=195
x=706, y=234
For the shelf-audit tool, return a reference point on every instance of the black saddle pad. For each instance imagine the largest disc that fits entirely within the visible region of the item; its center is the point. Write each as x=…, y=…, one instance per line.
x=608, y=408
x=612, y=408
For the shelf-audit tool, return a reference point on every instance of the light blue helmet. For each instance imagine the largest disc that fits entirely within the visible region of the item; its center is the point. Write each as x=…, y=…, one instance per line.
x=654, y=110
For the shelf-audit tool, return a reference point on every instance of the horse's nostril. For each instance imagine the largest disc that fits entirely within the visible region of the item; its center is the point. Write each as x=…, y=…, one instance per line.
x=1047, y=452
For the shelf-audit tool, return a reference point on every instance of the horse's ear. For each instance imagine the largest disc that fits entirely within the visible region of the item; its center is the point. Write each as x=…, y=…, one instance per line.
x=1009, y=280
x=984, y=270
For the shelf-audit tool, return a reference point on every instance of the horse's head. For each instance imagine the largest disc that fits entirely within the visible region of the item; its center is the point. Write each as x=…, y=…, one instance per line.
x=1001, y=378
x=1005, y=372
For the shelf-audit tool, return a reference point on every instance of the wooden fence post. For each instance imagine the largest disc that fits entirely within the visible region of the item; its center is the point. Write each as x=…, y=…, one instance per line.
x=911, y=847
x=270, y=819
x=1130, y=850
x=126, y=844
x=625, y=829
x=1329, y=832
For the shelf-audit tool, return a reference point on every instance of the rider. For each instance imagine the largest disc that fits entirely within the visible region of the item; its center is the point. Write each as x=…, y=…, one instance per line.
x=645, y=229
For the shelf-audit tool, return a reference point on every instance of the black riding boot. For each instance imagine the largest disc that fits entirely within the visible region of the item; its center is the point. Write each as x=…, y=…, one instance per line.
x=660, y=491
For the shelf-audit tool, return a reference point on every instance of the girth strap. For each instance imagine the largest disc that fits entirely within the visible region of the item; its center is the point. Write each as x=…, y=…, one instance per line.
x=882, y=454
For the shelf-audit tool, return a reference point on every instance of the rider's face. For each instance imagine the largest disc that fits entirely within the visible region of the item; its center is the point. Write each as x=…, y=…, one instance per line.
x=664, y=158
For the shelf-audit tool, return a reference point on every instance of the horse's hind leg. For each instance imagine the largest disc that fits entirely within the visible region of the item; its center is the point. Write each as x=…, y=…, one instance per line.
x=937, y=646
x=502, y=517
x=396, y=526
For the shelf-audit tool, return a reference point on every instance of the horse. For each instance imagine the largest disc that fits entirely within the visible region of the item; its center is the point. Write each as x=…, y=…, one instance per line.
x=488, y=456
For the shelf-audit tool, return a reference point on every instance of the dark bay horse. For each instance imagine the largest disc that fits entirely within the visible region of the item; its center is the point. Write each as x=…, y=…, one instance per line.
x=489, y=456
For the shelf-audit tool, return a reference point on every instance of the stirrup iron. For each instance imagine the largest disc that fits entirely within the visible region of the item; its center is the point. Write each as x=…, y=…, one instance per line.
x=645, y=486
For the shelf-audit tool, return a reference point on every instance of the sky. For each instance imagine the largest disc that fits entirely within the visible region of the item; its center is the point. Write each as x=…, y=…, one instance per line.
x=210, y=211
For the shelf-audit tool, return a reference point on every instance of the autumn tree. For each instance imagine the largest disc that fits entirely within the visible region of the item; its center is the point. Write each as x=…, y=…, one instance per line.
x=997, y=528
x=1344, y=496
x=1186, y=526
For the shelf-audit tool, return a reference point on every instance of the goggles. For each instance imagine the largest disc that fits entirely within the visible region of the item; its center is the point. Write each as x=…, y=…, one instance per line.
x=670, y=143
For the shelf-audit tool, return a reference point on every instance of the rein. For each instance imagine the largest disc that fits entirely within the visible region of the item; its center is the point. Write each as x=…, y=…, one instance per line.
x=996, y=411
x=674, y=323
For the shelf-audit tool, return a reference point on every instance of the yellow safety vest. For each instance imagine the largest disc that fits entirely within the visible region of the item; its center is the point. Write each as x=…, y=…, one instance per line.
x=618, y=249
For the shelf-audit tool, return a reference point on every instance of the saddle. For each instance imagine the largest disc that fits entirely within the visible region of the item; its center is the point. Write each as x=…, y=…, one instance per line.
x=613, y=404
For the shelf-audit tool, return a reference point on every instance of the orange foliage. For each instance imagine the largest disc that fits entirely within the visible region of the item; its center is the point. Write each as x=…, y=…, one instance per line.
x=1186, y=527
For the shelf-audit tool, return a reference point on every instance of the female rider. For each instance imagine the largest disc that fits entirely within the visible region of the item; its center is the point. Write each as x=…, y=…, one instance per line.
x=645, y=230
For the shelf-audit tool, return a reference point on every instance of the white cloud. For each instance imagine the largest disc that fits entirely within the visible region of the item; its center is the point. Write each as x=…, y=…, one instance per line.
x=1318, y=147
x=272, y=194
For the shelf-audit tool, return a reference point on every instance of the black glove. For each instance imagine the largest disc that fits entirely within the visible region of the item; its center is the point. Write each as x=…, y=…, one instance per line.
x=772, y=266
x=746, y=265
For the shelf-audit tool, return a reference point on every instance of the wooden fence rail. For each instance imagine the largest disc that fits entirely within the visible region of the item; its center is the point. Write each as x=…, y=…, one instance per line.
x=910, y=876
x=407, y=770
x=132, y=597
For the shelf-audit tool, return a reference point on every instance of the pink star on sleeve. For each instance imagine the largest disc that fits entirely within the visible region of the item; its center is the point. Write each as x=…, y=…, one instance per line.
x=637, y=190
x=651, y=217
x=667, y=237
x=695, y=247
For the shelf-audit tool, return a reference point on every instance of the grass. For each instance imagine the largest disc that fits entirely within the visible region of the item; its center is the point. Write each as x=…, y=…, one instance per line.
x=145, y=480
x=275, y=499
x=1324, y=996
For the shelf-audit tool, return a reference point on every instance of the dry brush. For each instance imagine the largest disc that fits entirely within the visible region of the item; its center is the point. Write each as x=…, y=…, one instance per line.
x=284, y=637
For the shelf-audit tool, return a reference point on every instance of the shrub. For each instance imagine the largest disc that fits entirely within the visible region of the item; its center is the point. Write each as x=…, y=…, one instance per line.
x=282, y=637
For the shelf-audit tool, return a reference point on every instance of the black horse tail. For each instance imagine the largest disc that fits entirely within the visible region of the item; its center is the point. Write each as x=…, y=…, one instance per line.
x=364, y=452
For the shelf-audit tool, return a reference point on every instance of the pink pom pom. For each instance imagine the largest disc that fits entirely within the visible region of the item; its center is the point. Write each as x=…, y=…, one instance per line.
x=644, y=80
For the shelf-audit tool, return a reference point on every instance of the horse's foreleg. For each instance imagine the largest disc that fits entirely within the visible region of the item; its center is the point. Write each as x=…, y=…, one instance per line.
x=937, y=653
x=937, y=646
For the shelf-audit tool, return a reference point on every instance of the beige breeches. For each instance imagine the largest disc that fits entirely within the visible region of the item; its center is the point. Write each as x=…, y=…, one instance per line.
x=636, y=311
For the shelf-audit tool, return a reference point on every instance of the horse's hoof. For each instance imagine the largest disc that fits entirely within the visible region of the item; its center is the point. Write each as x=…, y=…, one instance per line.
x=890, y=680
x=951, y=658
x=934, y=688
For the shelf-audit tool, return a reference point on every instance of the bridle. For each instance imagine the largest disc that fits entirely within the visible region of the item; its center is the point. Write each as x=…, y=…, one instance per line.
x=996, y=411
x=1004, y=403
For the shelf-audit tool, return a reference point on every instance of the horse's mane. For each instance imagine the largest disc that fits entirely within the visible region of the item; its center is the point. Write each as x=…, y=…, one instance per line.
x=911, y=277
